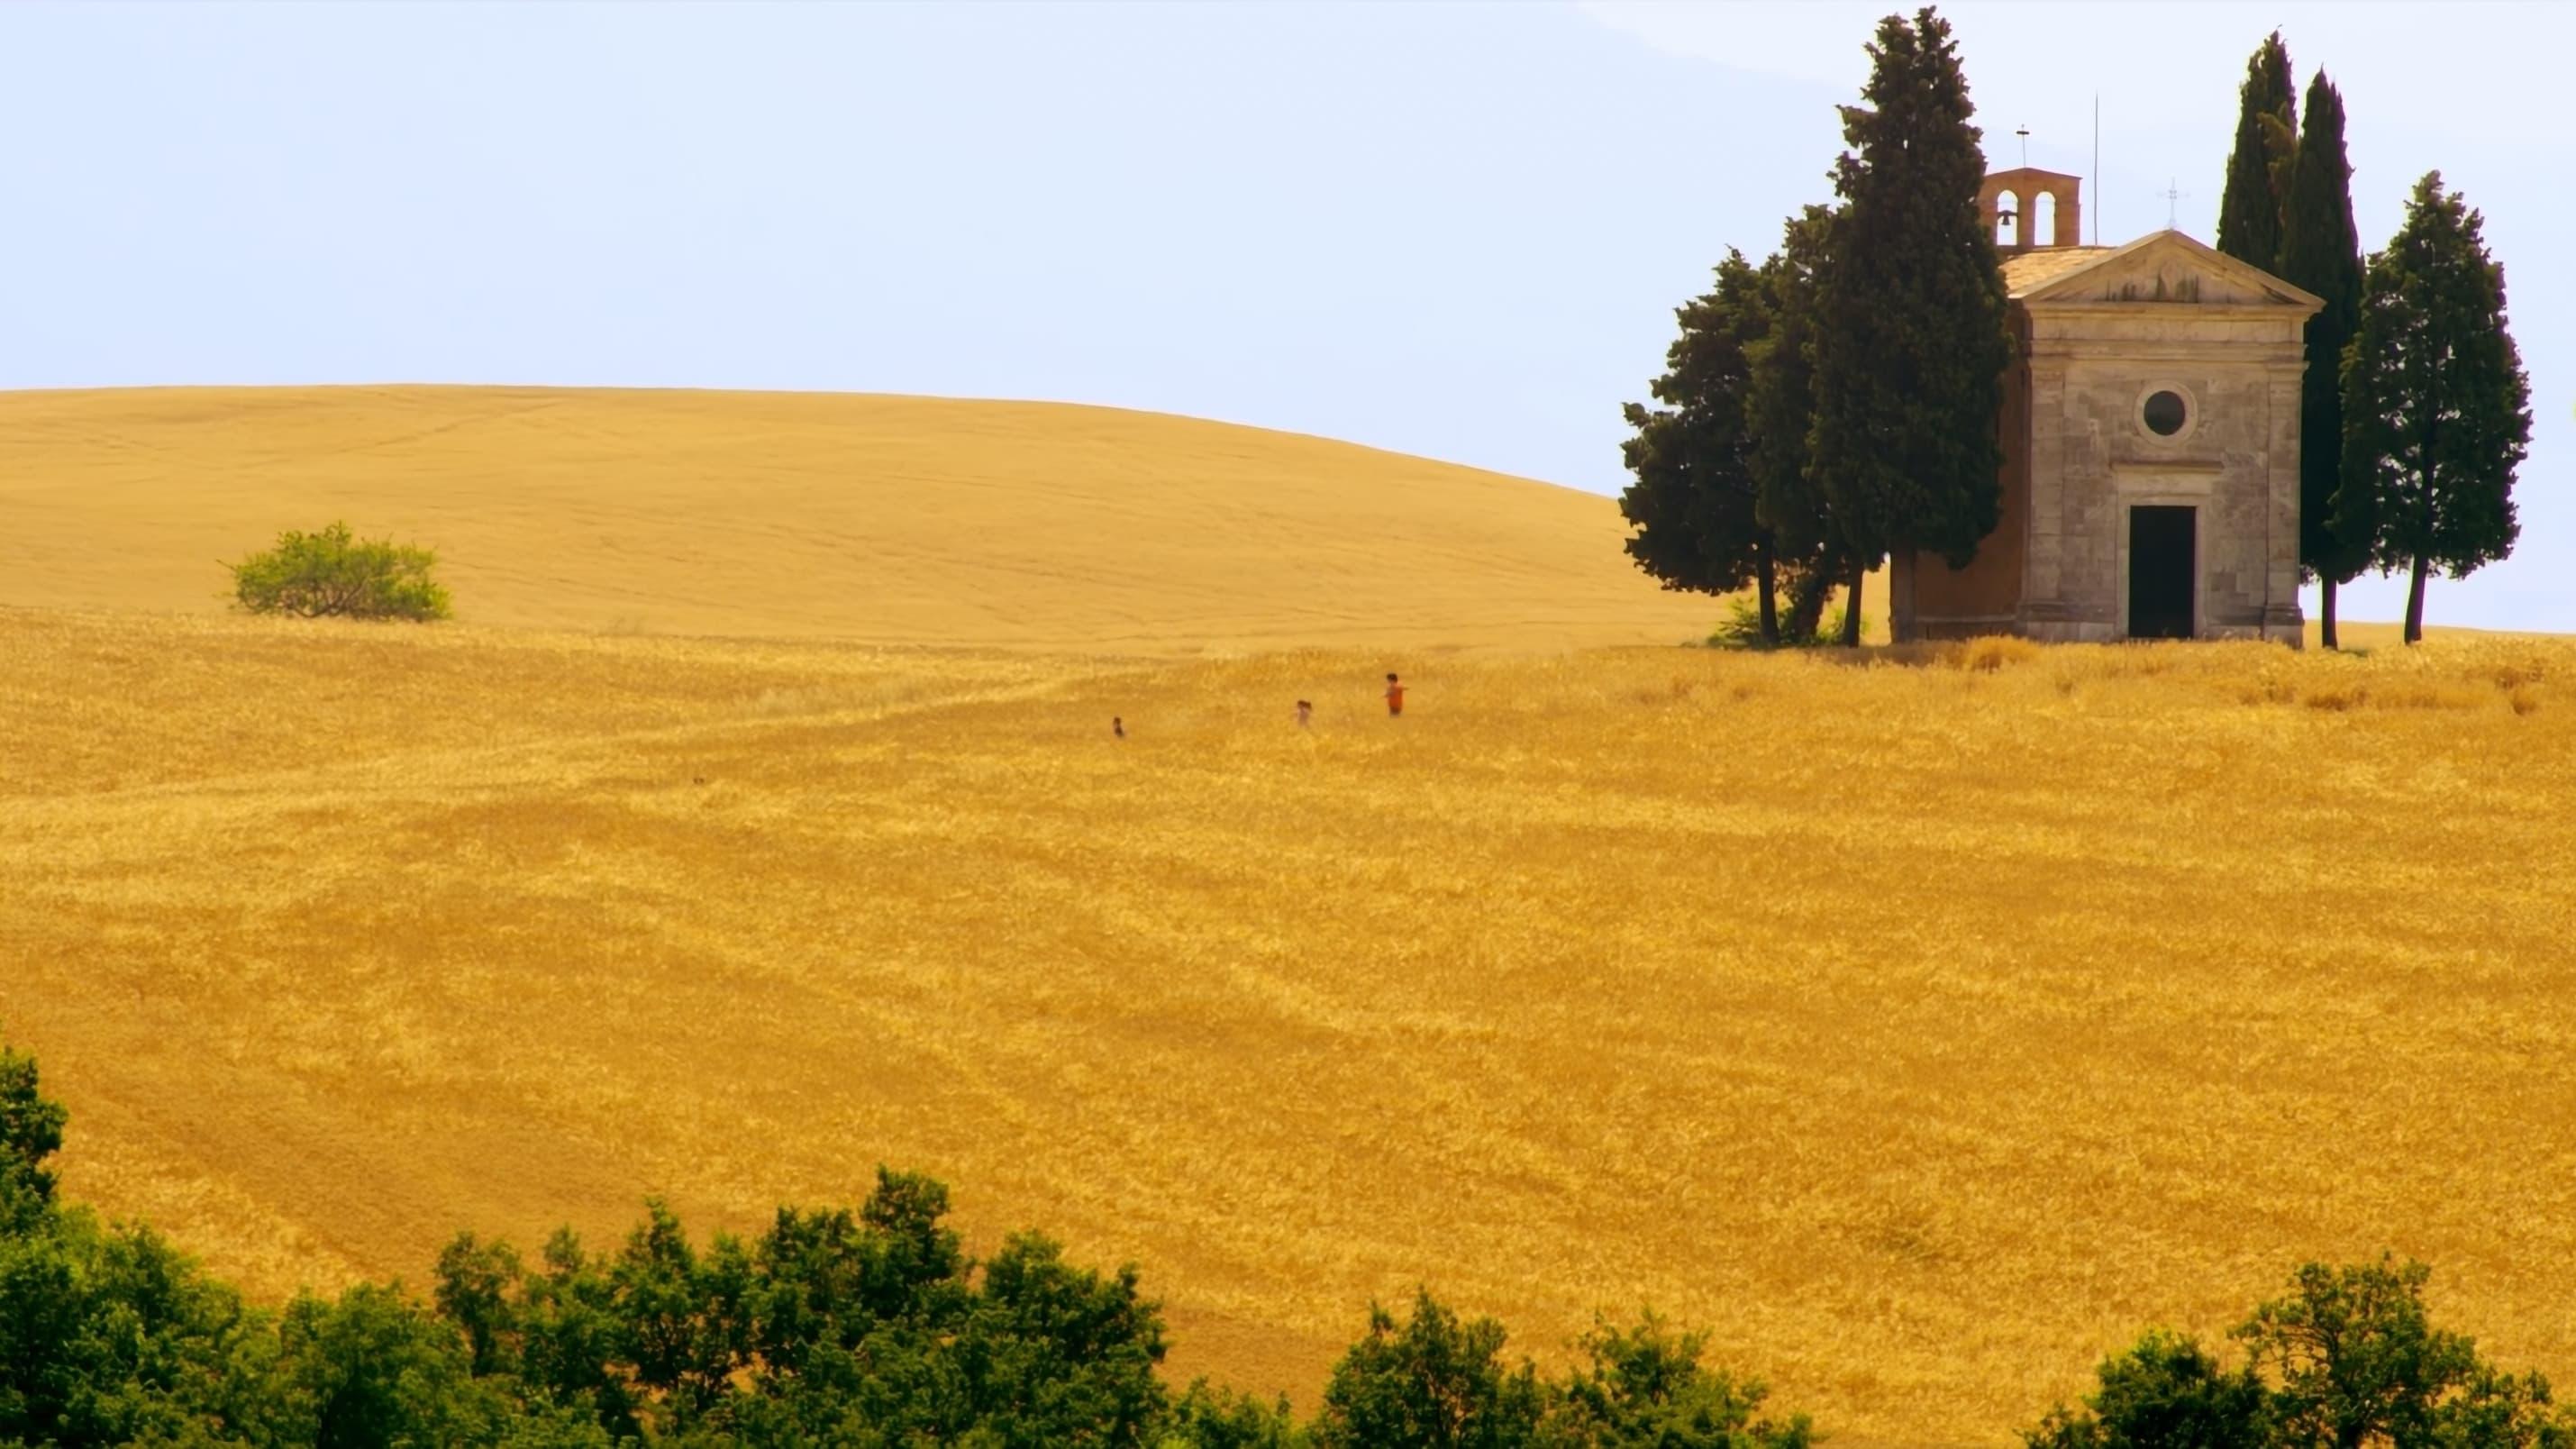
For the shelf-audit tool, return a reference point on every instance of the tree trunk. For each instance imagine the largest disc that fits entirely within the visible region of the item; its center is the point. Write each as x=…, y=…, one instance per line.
x=1807, y=595
x=1851, y=604
x=1770, y=584
x=2325, y=611
x=2415, y=604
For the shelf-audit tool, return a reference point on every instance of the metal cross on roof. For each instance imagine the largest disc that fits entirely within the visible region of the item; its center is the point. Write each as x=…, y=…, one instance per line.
x=2173, y=196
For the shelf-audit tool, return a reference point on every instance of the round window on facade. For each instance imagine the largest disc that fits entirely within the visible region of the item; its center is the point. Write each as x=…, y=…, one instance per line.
x=2164, y=413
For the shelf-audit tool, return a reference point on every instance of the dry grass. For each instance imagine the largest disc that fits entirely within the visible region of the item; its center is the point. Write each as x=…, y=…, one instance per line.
x=893, y=519
x=1991, y=653
x=1921, y=1030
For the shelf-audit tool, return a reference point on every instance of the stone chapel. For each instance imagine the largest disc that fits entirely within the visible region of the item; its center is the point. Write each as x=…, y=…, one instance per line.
x=2150, y=430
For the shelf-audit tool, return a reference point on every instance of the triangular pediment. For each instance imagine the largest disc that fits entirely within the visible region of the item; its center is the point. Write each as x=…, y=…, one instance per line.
x=2162, y=267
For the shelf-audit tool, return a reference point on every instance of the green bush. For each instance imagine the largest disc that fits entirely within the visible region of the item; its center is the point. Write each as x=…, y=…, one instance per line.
x=1208, y=1417
x=1646, y=1386
x=1743, y=630
x=31, y=1130
x=2166, y=1391
x=2347, y=1359
x=329, y=573
x=1430, y=1383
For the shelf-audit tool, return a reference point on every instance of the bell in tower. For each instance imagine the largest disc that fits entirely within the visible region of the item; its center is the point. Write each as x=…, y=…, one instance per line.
x=2027, y=209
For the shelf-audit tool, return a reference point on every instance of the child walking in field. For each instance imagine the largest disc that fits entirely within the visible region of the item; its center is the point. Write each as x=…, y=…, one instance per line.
x=1394, y=697
x=1305, y=712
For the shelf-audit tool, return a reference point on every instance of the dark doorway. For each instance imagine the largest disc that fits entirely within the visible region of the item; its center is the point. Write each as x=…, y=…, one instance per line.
x=2162, y=579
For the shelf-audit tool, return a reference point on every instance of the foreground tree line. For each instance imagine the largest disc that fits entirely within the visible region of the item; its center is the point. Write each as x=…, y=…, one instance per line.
x=1838, y=402
x=873, y=1329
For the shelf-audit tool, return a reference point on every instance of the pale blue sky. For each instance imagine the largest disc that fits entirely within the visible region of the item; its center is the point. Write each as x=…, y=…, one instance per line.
x=1456, y=230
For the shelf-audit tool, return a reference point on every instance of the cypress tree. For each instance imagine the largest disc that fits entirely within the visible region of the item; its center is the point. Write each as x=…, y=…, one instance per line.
x=2267, y=123
x=1692, y=502
x=1911, y=344
x=2321, y=252
x=2437, y=408
x=1780, y=411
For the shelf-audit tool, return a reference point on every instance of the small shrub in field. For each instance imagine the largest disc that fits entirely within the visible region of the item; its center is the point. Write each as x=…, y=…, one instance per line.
x=2522, y=699
x=1743, y=630
x=329, y=573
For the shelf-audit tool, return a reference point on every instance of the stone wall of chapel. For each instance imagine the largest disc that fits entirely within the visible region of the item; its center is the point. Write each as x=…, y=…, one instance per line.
x=2236, y=461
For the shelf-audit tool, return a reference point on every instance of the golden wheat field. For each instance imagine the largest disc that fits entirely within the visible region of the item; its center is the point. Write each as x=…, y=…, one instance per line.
x=894, y=519
x=1922, y=1028
x=1922, y=1025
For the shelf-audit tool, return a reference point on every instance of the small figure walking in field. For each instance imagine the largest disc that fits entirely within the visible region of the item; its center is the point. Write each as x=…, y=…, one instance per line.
x=1305, y=712
x=1118, y=727
x=1394, y=696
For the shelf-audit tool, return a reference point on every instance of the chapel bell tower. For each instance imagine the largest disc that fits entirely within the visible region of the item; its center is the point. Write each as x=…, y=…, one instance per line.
x=2027, y=209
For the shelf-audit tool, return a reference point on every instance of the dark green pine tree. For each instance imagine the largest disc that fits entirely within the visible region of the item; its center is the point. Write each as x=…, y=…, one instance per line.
x=2321, y=252
x=1911, y=349
x=1781, y=411
x=2437, y=408
x=2267, y=127
x=1693, y=499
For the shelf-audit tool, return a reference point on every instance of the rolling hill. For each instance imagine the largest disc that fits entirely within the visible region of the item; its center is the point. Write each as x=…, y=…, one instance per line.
x=891, y=519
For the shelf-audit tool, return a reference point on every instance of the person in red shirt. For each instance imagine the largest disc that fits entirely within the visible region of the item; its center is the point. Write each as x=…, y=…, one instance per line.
x=1394, y=696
